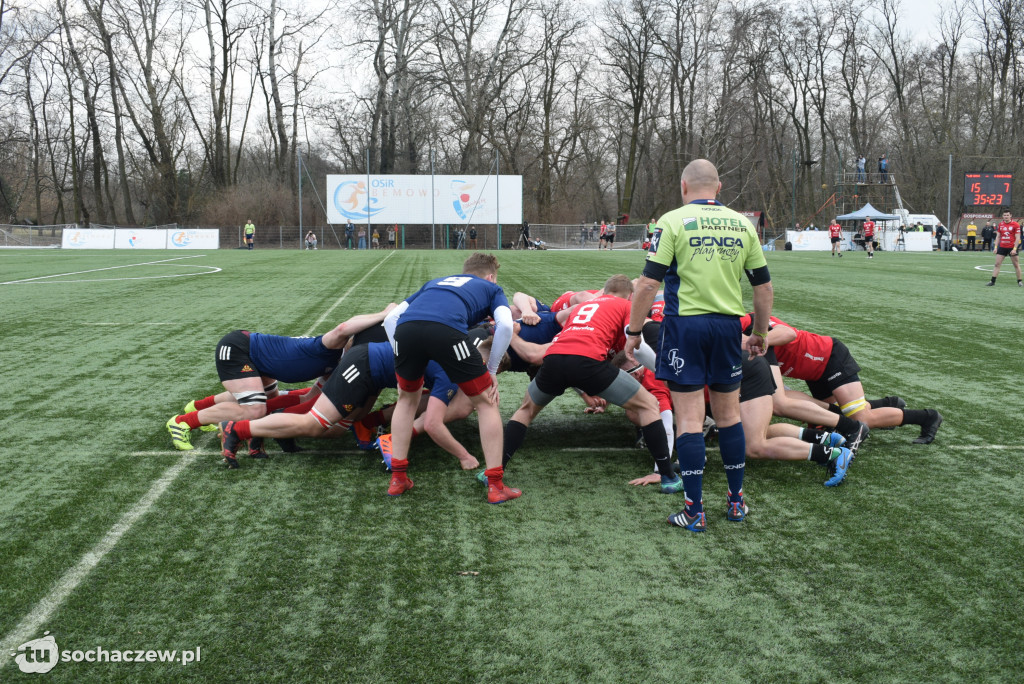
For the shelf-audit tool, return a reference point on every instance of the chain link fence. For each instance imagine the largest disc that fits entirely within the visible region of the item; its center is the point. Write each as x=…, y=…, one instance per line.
x=487, y=237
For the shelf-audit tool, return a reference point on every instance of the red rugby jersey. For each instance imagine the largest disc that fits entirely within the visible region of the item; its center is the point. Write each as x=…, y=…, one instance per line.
x=595, y=329
x=805, y=357
x=869, y=230
x=658, y=388
x=1008, y=231
x=835, y=230
x=563, y=301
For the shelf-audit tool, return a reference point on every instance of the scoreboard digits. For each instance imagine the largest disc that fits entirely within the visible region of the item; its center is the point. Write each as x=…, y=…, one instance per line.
x=988, y=189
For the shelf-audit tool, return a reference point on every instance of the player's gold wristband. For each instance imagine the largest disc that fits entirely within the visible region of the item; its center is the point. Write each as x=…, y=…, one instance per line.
x=762, y=335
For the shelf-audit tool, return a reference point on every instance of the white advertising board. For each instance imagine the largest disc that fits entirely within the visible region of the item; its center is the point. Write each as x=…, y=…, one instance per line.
x=87, y=238
x=193, y=238
x=809, y=240
x=141, y=238
x=424, y=199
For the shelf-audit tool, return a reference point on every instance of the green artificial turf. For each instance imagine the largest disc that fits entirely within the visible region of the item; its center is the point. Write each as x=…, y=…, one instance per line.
x=299, y=568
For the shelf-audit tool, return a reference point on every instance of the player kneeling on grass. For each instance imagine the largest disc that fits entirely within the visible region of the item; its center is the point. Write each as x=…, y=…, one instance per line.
x=433, y=325
x=347, y=395
x=578, y=358
x=250, y=366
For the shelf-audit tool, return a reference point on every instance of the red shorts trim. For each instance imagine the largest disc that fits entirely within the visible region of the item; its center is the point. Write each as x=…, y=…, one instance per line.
x=409, y=385
x=476, y=386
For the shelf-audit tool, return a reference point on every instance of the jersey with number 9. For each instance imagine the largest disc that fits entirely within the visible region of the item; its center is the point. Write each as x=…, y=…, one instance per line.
x=595, y=329
x=458, y=301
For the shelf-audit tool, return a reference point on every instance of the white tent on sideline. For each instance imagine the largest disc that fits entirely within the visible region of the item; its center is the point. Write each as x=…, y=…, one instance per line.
x=868, y=212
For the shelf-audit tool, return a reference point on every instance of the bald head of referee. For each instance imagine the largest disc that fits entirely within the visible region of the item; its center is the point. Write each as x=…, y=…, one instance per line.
x=700, y=181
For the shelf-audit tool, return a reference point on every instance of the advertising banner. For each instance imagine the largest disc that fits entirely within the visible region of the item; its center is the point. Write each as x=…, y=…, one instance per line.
x=140, y=238
x=87, y=238
x=193, y=238
x=403, y=199
x=809, y=240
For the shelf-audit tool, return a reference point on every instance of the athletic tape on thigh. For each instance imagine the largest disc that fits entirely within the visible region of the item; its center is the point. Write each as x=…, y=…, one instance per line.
x=271, y=387
x=250, y=398
x=326, y=424
x=853, y=407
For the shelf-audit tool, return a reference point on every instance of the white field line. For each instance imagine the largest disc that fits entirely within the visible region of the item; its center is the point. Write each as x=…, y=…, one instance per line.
x=109, y=268
x=30, y=625
x=347, y=293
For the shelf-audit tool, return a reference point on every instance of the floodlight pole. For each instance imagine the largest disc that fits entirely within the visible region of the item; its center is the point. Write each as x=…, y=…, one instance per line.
x=433, y=238
x=949, y=195
x=794, y=189
x=497, y=192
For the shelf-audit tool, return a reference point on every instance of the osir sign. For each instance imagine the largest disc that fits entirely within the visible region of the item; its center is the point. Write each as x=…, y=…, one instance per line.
x=388, y=199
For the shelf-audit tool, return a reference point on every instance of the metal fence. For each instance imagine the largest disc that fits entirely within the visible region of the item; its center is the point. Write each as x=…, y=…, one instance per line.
x=488, y=237
x=14, y=237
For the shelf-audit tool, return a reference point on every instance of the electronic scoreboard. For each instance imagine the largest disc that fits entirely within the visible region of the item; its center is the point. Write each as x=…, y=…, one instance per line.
x=988, y=189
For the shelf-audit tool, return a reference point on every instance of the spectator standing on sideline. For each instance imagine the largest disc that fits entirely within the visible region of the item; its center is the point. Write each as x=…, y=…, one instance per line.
x=862, y=169
x=987, y=233
x=972, y=236
x=310, y=240
x=350, y=235
x=250, y=233
x=609, y=236
x=392, y=231
x=362, y=237
x=700, y=250
x=375, y=238
x=883, y=169
x=472, y=238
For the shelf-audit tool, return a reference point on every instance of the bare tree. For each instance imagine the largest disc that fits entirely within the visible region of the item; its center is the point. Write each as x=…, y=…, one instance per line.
x=479, y=53
x=630, y=38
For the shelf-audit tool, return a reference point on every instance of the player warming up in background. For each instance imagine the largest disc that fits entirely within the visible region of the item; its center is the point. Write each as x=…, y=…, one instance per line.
x=432, y=325
x=1007, y=245
x=700, y=251
x=869, y=237
x=835, y=234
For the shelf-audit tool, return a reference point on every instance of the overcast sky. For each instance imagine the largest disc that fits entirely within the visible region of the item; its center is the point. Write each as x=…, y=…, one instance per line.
x=921, y=18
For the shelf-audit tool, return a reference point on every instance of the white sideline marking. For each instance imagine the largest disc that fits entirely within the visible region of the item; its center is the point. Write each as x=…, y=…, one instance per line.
x=111, y=268
x=986, y=447
x=30, y=625
x=167, y=452
x=347, y=293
